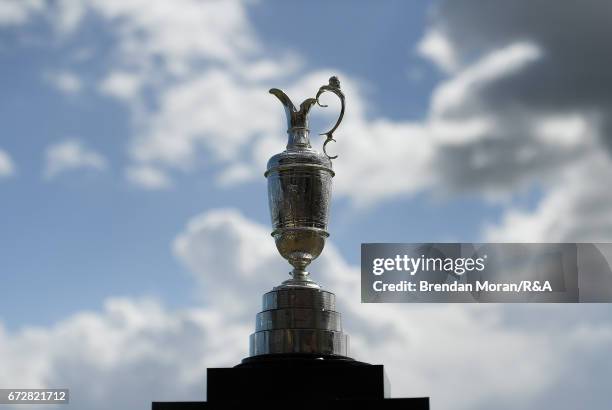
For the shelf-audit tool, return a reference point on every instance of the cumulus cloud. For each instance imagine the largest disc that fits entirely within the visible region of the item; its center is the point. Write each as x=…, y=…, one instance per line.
x=435, y=47
x=200, y=63
x=16, y=12
x=65, y=81
x=535, y=85
x=207, y=111
x=229, y=255
x=148, y=177
x=524, y=102
x=521, y=100
x=7, y=168
x=515, y=356
x=125, y=356
x=458, y=95
x=121, y=85
x=488, y=130
x=551, y=116
x=193, y=72
x=136, y=351
x=71, y=155
x=576, y=208
x=179, y=33
x=427, y=349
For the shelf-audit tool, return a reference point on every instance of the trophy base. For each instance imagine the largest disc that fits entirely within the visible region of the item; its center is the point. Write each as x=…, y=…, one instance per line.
x=299, y=381
x=298, y=360
x=298, y=320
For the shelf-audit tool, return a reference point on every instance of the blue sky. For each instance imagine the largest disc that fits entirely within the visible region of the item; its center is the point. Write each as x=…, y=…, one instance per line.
x=134, y=140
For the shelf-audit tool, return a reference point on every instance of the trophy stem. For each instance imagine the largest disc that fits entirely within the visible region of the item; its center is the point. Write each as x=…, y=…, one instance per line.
x=300, y=279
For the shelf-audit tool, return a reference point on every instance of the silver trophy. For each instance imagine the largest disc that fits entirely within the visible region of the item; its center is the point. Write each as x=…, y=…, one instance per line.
x=298, y=316
x=298, y=353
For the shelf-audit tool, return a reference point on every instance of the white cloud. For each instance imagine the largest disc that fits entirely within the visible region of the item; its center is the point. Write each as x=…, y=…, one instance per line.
x=493, y=128
x=122, y=85
x=575, y=209
x=436, y=47
x=197, y=111
x=568, y=130
x=209, y=118
x=550, y=122
x=236, y=174
x=206, y=117
x=204, y=114
x=208, y=111
x=179, y=32
x=125, y=356
x=456, y=93
x=69, y=15
x=17, y=12
x=268, y=69
x=136, y=351
x=225, y=241
x=71, y=155
x=148, y=177
x=65, y=81
x=426, y=349
x=7, y=168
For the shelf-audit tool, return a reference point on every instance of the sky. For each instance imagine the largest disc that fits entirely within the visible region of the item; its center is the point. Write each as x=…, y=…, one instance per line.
x=134, y=229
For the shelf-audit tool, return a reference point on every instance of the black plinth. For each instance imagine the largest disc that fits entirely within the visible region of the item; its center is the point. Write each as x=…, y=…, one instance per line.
x=298, y=382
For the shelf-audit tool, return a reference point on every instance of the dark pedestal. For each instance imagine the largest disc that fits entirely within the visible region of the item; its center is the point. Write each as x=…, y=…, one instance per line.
x=298, y=382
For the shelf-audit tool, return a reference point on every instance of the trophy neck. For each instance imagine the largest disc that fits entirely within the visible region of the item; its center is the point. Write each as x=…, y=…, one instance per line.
x=299, y=139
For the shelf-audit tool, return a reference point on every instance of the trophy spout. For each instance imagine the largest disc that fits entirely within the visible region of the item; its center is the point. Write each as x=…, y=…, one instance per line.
x=297, y=120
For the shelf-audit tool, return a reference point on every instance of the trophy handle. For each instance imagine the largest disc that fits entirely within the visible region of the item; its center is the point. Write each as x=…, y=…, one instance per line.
x=334, y=87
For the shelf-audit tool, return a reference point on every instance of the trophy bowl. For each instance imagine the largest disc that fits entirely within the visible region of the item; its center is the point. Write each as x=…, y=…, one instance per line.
x=300, y=246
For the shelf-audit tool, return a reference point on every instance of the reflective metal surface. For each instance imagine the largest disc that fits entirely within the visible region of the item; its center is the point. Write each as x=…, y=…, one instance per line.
x=334, y=87
x=299, y=320
x=314, y=341
x=298, y=316
x=299, y=298
x=299, y=188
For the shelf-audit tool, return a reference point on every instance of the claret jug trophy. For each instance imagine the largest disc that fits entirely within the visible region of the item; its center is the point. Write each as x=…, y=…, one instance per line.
x=298, y=354
x=299, y=317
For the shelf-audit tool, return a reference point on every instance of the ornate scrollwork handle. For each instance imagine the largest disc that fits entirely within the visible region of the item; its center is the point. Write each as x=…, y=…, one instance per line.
x=334, y=87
